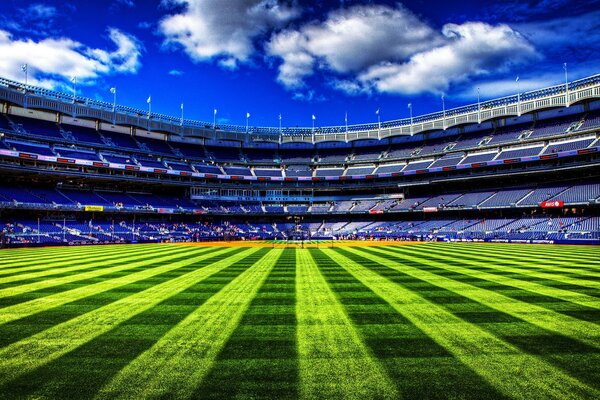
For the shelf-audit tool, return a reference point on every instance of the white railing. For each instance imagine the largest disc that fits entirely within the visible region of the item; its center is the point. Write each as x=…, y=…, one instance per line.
x=556, y=96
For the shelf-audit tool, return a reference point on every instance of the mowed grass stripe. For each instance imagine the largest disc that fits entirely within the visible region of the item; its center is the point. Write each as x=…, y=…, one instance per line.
x=520, y=280
x=52, y=275
x=564, y=352
x=418, y=366
x=148, y=269
x=9, y=257
x=583, y=331
x=561, y=295
x=334, y=362
x=34, y=323
x=125, y=262
x=562, y=261
x=535, y=250
x=522, y=269
x=572, y=262
x=511, y=371
x=568, y=262
x=61, y=266
x=260, y=359
x=120, y=346
x=573, y=281
x=142, y=263
x=578, y=272
x=33, y=352
x=179, y=361
x=39, y=261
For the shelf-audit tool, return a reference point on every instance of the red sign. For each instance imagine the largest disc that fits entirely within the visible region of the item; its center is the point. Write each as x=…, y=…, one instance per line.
x=430, y=209
x=376, y=212
x=553, y=204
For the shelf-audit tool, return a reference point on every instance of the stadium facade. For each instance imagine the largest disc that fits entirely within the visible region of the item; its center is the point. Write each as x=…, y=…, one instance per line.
x=520, y=168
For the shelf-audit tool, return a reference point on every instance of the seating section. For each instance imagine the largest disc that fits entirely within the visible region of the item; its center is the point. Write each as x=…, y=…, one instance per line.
x=267, y=172
x=325, y=172
x=298, y=171
x=83, y=135
x=558, y=146
x=150, y=162
x=478, y=158
x=49, y=231
x=523, y=152
x=30, y=147
x=407, y=156
x=77, y=154
x=360, y=170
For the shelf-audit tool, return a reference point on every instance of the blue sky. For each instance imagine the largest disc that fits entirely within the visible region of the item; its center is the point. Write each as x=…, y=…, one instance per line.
x=298, y=58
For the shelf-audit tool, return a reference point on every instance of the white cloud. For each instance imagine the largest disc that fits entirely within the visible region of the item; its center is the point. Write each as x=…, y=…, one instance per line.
x=350, y=40
x=472, y=49
x=52, y=58
x=175, y=72
x=213, y=29
x=365, y=49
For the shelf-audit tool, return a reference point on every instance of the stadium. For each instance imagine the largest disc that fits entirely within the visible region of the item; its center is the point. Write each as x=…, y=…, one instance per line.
x=449, y=254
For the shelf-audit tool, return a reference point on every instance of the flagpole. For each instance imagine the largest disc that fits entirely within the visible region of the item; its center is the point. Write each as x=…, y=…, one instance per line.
x=24, y=68
x=181, y=114
x=443, y=112
x=346, y=120
x=566, y=85
x=478, y=108
x=215, y=119
x=518, y=97
x=280, y=131
x=113, y=90
x=74, y=80
x=411, y=118
x=247, y=118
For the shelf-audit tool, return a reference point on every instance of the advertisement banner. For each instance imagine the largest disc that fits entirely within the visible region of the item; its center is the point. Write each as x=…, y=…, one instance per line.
x=94, y=208
x=553, y=204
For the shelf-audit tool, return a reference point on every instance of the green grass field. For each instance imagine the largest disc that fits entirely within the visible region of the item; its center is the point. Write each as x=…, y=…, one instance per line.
x=460, y=321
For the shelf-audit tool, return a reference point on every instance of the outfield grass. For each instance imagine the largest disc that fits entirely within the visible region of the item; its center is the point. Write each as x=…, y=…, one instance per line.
x=437, y=320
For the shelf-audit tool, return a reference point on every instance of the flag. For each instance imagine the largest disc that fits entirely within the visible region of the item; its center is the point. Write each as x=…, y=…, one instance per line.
x=346, y=117
x=24, y=67
x=377, y=112
x=182, y=106
x=73, y=79
x=565, y=66
x=409, y=105
x=113, y=90
x=280, y=116
x=149, y=100
x=517, y=80
x=313, y=117
x=215, y=111
x=247, y=115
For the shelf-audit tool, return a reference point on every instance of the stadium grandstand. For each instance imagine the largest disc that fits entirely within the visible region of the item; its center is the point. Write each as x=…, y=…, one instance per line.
x=522, y=168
